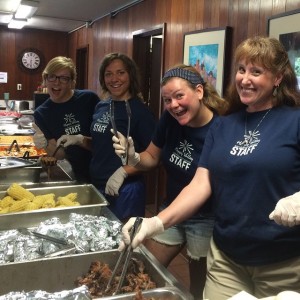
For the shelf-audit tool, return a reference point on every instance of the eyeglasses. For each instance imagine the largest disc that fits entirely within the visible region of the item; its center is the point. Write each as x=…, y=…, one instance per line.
x=62, y=79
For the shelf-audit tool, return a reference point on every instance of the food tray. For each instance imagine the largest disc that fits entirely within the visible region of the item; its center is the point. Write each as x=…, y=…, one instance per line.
x=32, y=150
x=165, y=293
x=30, y=185
x=57, y=274
x=24, y=175
x=15, y=162
x=89, y=197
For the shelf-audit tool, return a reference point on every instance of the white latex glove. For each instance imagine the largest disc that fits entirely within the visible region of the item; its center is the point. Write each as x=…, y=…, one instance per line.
x=115, y=181
x=149, y=228
x=287, y=211
x=38, y=138
x=120, y=143
x=69, y=140
x=288, y=295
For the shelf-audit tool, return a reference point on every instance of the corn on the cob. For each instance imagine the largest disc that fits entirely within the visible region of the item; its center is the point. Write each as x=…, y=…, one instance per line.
x=65, y=201
x=31, y=206
x=19, y=205
x=18, y=192
x=6, y=202
x=49, y=203
x=40, y=199
x=72, y=196
x=4, y=210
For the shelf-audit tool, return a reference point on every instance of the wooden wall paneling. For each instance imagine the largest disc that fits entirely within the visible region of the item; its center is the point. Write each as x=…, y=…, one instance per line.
x=253, y=18
x=264, y=12
x=183, y=16
x=242, y=18
x=197, y=8
x=225, y=9
x=7, y=61
x=162, y=10
x=291, y=5
x=278, y=6
x=207, y=14
x=245, y=17
x=50, y=43
x=215, y=13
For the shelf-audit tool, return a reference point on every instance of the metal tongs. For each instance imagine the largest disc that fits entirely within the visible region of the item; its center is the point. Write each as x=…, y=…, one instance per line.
x=128, y=251
x=124, y=157
x=61, y=145
x=12, y=145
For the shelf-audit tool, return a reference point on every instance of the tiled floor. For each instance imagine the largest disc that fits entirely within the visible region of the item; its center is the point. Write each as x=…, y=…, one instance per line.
x=179, y=266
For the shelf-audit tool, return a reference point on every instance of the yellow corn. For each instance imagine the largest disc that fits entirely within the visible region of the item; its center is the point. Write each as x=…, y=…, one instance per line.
x=18, y=192
x=72, y=196
x=40, y=199
x=19, y=205
x=49, y=203
x=6, y=202
x=31, y=206
x=4, y=210
x=65, y=201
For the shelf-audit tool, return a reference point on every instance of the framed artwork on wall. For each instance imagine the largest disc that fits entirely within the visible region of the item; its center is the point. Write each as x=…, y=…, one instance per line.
x=286, y=28
x=206, y=51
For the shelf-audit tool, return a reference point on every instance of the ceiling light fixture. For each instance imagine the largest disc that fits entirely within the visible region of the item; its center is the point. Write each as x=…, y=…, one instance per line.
x=17, y=23
x=5, y=17
x=26, y=9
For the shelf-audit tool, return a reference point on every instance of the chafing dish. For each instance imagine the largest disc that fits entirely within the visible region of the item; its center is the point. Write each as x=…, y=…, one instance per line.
x=88, y=196
x=165, y=293
x=56, y=274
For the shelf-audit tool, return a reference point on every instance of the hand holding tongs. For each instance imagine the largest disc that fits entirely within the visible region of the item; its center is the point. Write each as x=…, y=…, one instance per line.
x=124, y=157
x=128, y=249
x=61, y=145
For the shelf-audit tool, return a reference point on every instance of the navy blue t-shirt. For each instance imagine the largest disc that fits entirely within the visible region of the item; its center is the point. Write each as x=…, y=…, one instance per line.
x=71, y=117
x=248, y=181
x=105, y=161
x=181, y=148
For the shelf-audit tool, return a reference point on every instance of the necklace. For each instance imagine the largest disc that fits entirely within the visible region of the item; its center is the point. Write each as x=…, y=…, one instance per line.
x=252, y=136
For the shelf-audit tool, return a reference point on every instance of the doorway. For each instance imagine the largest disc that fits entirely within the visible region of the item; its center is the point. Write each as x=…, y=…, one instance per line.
x=82, y=55
x=148, y=53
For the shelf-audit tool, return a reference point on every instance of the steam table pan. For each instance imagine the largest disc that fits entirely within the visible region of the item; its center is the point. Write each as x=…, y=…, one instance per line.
x=15, y=162
x=57, y=274
x=90, y=199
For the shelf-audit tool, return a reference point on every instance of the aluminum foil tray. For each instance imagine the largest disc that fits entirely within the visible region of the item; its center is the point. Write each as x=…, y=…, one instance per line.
x=91, y=200
x=57, y=274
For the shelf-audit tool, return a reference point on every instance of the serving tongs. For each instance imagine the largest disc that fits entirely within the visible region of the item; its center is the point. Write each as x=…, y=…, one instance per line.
x=61, y=145
x=27, y=231
x=12, y=145
x=124, y=157
x=128, y=251
x=71, y=245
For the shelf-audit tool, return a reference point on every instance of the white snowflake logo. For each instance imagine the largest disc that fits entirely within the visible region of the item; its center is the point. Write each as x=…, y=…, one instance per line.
x=69, y=118
x=106, y=117
x=186, y=147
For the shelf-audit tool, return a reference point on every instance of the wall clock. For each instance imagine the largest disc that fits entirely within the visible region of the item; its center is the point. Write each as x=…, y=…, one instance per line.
x=30, y=59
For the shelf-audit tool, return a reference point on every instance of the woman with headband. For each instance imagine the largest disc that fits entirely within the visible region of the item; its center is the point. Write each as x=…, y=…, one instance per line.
x=191, y=107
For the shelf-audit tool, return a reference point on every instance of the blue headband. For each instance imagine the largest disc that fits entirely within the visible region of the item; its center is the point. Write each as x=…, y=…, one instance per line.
x=188, y=75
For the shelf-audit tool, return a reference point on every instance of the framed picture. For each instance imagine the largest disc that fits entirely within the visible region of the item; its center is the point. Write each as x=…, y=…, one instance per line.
x=286, y=28
x=206, y=51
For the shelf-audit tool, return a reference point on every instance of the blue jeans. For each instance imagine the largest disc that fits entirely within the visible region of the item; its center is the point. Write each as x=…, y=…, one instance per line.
x=196, y=233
